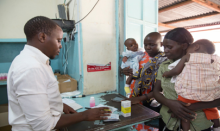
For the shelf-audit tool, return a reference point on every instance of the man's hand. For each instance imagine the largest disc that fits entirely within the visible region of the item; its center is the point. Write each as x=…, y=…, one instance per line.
x=96, y=114
x=127, y=71
x=179, y=110
x=68, y=110
x=124, y=59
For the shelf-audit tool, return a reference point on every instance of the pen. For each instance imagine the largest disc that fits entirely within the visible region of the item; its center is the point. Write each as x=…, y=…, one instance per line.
x=78, y=96
x=87, y=108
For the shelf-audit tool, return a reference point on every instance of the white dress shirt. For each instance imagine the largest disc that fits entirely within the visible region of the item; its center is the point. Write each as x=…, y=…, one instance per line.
x=33, y=94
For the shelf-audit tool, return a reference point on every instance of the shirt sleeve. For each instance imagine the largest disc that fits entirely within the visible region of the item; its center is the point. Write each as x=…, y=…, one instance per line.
x=31, y=91
x=160, y=73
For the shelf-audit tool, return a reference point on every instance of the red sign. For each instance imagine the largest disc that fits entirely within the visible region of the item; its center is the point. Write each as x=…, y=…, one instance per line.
x=98, y=67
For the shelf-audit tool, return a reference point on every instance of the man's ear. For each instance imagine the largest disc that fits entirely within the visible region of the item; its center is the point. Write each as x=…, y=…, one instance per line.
x=185, y=46
x=41, y=37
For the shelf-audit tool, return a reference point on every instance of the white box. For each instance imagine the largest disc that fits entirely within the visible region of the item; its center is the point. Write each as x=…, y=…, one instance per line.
x=126, y=108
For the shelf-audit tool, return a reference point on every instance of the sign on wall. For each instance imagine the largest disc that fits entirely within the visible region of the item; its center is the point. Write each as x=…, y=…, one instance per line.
x=98, y=67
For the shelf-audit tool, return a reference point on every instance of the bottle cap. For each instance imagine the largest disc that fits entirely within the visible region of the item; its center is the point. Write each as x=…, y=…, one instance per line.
x=92, y=98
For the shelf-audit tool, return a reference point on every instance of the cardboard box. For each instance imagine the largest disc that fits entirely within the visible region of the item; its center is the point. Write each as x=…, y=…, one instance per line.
x=3, y=115
x=66, y=83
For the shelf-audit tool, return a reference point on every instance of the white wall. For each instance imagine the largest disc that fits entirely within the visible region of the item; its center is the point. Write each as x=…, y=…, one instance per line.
x=99, y=44
x=15, y=13
x=98, y=33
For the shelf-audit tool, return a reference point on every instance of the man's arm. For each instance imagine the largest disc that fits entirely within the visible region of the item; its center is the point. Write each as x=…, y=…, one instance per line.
x=88, y=115
x=179, y=67
x=67, y=109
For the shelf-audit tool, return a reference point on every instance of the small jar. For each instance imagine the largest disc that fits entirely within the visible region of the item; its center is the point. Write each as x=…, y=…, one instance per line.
x=92, y=101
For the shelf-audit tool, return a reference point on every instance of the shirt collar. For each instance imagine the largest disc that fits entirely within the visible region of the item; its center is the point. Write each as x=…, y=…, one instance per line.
x=37, y=54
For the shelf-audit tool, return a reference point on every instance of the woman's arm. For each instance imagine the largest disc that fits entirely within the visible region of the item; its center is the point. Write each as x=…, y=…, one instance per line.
x=179, y=67
x=137, y=100
x=177, y=107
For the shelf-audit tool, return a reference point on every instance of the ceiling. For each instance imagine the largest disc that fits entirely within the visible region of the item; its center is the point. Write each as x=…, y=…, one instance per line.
x=188, y=14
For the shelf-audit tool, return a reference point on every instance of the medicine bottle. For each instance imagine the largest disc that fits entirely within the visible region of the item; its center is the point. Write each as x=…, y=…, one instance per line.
x=92, y=101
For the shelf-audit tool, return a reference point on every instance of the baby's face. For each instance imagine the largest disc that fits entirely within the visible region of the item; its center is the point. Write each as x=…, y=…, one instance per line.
x=132, y=46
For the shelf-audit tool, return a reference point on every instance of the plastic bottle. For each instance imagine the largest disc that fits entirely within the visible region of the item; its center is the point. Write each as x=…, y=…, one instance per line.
x=92, y=101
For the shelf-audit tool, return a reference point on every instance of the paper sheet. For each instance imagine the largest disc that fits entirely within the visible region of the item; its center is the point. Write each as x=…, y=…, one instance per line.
x=72, y=103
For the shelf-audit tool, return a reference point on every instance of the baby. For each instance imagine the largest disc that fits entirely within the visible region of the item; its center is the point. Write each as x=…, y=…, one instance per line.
x=131, y=57
x=198, y=75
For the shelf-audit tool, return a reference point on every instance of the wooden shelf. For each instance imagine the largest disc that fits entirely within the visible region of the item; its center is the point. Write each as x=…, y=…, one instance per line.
x=13, y=40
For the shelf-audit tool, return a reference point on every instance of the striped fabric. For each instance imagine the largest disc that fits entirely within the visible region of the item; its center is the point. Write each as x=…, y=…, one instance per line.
x=199, y=78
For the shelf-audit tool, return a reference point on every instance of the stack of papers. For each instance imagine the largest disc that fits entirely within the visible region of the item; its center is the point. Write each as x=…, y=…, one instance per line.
x=71, y=103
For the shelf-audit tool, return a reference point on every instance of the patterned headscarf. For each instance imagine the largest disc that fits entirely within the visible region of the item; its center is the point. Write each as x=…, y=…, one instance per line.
x=145, y=77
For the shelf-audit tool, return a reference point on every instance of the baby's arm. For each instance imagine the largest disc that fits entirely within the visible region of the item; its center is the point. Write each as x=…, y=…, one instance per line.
x=179, y=67
x=124, y=59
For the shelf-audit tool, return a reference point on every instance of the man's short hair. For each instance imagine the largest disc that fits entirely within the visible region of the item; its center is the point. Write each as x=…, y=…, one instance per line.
x=207, y=44
x=38, y=24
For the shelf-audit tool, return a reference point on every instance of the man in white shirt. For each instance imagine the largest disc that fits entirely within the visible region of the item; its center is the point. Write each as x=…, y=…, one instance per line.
x=34, y=98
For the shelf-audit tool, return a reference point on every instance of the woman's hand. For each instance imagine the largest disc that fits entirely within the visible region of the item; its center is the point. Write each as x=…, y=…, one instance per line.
x=179, y=109
x=134, y=100
x=68, y=110
x=127, y=71
x=137, y=100
x=166, y=74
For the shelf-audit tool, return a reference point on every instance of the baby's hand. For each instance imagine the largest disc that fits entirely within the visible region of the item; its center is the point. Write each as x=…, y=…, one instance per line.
x=165, y=74
x=124, y=59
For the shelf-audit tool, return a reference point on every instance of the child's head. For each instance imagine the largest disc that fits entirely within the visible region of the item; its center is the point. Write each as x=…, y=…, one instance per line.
x=152, y=43
x=131, y=44
x=202, y=46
